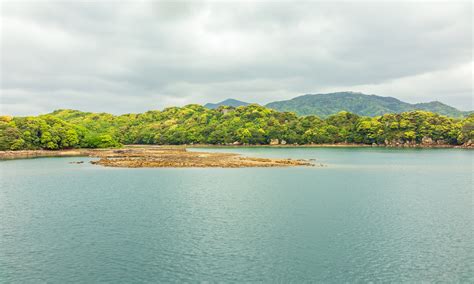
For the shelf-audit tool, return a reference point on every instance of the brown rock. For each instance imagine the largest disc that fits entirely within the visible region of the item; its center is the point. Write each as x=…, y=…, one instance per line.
x=274, y=141
x=426, y=141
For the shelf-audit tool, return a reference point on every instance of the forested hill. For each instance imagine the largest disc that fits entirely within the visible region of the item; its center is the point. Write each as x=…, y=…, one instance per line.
x=251, y=124
x=324, y=105
x=228, y=102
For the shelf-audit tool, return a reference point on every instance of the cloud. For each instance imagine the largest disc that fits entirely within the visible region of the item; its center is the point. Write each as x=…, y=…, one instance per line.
x=136, y=56
x=455, y=81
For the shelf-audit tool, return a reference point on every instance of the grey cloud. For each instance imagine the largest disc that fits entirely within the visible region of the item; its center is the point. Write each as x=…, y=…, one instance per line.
x=135, y=56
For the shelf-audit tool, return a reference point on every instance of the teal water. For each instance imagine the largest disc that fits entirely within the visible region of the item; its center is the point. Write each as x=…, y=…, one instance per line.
x=376, y=215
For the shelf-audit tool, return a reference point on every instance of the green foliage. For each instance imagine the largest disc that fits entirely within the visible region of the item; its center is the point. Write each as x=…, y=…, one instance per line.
x=9, y=134
x=228, y=102
x=467, y=129
x=47, y=132
x=252, y=124
x=100, y=141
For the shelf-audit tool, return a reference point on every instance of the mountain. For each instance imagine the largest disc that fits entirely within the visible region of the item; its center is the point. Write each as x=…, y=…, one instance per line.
x=438, y=107
x=228, y=102
x=324, y=105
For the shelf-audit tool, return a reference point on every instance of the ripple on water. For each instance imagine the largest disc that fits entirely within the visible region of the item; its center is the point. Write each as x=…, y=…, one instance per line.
x=371, y=216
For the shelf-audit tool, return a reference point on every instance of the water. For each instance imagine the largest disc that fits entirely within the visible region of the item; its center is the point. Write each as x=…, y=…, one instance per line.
x=371, y=215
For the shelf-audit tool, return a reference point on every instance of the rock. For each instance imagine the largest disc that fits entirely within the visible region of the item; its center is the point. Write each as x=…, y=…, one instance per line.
x=236, y=143
x=165, y=158
x=426, y=140
x=283, y=142
x=274, y=141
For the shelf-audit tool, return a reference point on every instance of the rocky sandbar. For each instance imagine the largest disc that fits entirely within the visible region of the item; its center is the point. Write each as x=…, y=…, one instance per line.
x=181, y=158
x=159, y=157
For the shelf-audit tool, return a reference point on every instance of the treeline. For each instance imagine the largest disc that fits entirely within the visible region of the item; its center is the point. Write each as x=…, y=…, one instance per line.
x=253, y=124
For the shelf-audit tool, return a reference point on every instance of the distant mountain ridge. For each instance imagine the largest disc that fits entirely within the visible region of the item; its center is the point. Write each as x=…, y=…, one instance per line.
x=324, y=105
x=228, y=102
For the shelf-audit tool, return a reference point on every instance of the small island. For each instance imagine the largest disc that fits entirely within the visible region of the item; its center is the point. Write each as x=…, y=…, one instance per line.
x=159, y=157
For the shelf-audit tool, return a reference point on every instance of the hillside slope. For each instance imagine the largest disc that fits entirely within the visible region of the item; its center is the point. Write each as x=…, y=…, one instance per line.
x=228, y=102
x=324, y=105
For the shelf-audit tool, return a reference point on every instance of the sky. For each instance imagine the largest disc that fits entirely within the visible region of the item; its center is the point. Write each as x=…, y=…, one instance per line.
x=135, y=56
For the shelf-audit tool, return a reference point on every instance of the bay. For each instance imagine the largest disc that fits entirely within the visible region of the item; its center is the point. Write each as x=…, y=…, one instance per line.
x=370, y=214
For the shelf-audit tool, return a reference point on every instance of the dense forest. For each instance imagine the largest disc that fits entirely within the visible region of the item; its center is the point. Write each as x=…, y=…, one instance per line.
x=252, y=124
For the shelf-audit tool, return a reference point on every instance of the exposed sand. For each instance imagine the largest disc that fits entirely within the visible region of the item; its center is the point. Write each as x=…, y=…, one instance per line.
x=160, y=157
x=180, y=158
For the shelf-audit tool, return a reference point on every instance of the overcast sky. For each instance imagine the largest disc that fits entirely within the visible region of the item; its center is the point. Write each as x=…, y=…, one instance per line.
x=142, y=55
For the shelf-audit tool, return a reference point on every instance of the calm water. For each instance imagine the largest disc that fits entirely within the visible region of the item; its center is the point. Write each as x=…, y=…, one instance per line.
x=371, y=215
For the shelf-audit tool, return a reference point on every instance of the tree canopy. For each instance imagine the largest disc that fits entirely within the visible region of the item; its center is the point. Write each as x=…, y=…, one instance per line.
x=252, y=124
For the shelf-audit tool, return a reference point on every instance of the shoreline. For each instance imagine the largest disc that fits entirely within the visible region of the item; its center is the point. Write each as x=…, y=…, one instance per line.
x=97, y=152
x=337, y=145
